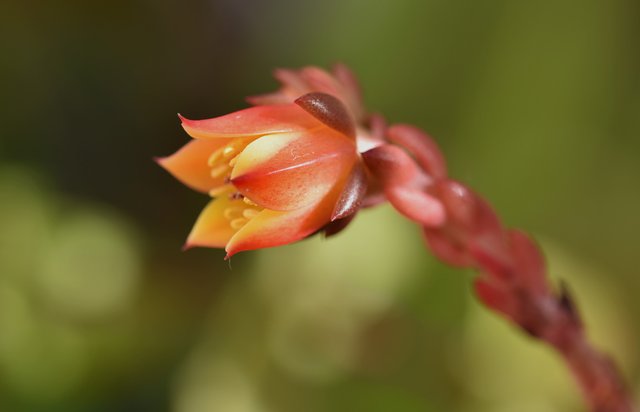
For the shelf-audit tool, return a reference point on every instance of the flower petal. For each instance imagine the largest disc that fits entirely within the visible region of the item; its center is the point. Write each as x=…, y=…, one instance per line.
x=405, y=185
x=212, y=229
x=422, y=146
x=189, y=164
x=287, y=172
x=275, y=228
x=254, y=121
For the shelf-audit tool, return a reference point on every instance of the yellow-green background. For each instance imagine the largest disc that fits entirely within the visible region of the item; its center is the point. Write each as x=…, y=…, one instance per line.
x=535, y=103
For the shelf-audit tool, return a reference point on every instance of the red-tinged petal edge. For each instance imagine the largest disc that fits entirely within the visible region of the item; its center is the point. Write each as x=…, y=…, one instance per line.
x=254, y=121
x=189, y=164
x=352, y=194
x=275, y=228
x=330, y=111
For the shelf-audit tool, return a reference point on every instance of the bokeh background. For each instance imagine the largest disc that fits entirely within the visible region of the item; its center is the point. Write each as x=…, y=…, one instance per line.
x=536, y=105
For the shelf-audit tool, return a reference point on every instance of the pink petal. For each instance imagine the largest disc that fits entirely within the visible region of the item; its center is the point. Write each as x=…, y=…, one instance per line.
x=321, y=81
x=404, y=184
x=254, y=121
x=422, y=147
x=290, y=171
x=417, y=205
x=189, y=164
x=348, y=80
x=392, y=166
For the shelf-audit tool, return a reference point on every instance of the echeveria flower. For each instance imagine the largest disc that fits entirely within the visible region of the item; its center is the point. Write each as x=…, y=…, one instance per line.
x=308, y=156
x=277, y=172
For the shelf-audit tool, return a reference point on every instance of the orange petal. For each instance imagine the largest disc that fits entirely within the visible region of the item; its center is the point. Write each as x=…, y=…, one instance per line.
x=189, y=164
x=212, y=229
x=254, y=121
x=287, y=172
x=274, y=228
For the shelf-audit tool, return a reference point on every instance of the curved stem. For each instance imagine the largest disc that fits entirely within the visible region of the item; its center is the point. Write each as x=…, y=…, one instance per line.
x=465, y=231
x=553, y=319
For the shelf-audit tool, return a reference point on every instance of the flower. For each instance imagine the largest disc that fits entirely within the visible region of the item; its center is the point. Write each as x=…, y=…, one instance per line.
x=277, y=172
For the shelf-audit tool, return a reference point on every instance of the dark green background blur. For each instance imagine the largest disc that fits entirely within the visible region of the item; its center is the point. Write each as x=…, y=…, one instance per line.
x=535, y=103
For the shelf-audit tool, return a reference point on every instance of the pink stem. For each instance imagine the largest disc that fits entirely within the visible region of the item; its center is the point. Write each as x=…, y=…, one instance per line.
x=553, y=318
x=513, y=277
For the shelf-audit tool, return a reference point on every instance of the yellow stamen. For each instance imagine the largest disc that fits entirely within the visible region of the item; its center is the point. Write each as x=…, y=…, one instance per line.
x=219, y=170
x=250, y=213
x=215, y=157
x=232, y=212
x=249, y=202
x=238, y=223
x=220, y=190
x=228, y=151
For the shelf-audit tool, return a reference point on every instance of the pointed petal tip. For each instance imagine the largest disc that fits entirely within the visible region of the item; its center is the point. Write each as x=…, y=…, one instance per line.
x=230, y=251
x=185, y=121
x=188, y=125
x=164, y=162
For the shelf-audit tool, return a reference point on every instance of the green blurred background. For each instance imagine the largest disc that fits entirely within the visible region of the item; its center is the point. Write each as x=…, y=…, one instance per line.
x=536, y=105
